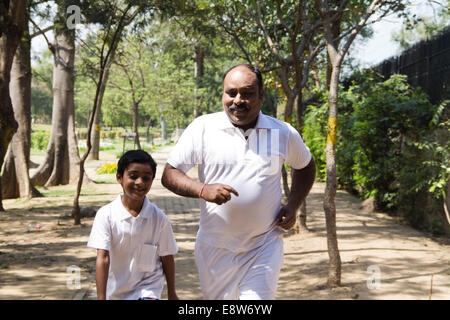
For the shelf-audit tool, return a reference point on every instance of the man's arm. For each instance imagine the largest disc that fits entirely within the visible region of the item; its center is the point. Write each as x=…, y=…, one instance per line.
x=302, y=181
x=178, y=182
x=101, y=273
x=168, y=265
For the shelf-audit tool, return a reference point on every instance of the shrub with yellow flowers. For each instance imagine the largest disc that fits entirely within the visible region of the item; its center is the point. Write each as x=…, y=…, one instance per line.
x=107, y=168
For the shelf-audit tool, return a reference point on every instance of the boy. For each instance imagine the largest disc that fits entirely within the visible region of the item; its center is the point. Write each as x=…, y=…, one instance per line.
x=134, y=239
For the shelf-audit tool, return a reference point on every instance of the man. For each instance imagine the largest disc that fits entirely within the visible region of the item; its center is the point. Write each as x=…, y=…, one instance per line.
x=239, y=153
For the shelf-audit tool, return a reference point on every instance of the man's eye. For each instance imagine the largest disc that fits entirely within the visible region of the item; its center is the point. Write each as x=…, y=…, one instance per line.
x=247, y=94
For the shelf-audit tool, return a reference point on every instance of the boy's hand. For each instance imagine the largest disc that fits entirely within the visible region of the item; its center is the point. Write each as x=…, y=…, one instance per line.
x=101, y=273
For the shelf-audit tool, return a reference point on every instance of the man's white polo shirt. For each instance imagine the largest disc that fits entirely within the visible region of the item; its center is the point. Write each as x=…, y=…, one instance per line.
x=135, y=245
x=252, y=167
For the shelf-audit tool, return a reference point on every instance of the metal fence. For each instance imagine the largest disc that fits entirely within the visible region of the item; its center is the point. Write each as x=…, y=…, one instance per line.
x=427, y=65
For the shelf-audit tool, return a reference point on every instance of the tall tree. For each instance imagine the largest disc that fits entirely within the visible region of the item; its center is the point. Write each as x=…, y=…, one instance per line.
x=12, y=17
x=133, y=66
x=17, y=161
x=119, y=14
x=60, y=165
x=199, y=71
x=297, y=33
x=338, y=42
x=92, y=50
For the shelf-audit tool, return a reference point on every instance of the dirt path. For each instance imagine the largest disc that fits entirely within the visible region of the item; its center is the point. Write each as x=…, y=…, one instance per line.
x=43, y=263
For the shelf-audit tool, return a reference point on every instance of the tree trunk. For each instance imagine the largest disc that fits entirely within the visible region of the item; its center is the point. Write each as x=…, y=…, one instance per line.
x=335, y=28
x=136, y=124
x=289, y=109
x=285, y=181
x=149, y=139
x=198, y=74
x=59, y=165
x=287, y=118
x=334, y=271
x=12, y=15
x=95, y=135
x=114, y=41
x=16, y=165
x=300, y=224
x=74, y=155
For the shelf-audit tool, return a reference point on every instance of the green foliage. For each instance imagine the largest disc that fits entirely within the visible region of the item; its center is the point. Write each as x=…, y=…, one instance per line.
x=314, y=133
x=399, y=160
x=424, y=27
x=39, y=140
x=388, y=118
x=41, y=89
x=392, y=144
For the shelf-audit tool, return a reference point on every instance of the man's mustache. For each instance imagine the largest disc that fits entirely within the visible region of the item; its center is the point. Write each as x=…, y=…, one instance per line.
x=241, y=106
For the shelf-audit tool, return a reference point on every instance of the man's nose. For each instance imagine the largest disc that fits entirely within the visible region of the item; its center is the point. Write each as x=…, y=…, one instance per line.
x=238, y=99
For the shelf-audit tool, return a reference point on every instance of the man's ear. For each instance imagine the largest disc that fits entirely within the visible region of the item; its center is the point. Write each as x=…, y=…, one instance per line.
x=261, y=95
x=118, y=178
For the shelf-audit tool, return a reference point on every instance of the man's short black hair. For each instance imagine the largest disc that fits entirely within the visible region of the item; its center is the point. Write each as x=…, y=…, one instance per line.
x=135, y=156
x=253, y=69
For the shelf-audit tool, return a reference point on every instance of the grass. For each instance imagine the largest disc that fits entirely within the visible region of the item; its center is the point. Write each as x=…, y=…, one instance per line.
x=108, y=180
x=117, y=147
x=65, y=192
x=41, y=127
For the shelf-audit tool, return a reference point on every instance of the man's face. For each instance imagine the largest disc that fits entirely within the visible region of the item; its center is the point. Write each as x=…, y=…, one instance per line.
x=242, y=99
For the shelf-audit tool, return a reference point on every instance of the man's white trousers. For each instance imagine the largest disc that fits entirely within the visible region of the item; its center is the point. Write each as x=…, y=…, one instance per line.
x=252, y=275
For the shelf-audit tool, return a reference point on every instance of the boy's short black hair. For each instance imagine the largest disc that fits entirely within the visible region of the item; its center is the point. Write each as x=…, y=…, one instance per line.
x=135, y=156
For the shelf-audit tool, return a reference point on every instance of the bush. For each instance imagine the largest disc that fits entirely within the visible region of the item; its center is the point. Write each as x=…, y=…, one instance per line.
x=314, y=133
x=392, y=145
x=398, y=159
x=389, y=117
x=39, y=140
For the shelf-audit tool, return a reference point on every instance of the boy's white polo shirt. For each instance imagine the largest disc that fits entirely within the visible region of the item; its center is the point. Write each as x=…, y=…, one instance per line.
x=135, y=245
x=251, y=166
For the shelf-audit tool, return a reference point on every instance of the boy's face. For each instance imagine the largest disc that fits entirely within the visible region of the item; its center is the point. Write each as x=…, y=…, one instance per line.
x=136, y=181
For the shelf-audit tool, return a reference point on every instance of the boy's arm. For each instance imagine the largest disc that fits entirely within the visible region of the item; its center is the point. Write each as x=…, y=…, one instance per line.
x=168, y=264
x=101, y=273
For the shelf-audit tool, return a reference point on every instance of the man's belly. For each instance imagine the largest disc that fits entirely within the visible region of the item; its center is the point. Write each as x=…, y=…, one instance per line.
x=247, y=215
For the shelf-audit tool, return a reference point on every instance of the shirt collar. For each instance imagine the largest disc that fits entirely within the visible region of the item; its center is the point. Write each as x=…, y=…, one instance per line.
x=225, y=123
x=124, y=214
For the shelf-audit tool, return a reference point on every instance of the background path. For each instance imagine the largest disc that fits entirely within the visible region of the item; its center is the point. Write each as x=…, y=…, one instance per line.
x=381, y=258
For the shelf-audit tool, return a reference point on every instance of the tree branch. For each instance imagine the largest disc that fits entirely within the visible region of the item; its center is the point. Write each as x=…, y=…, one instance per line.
x=268, y=38
x=237, y=40
x=41, y=31
x=311, y=57
x=374, y=6
x=282, y=21
x=51, y=47
x=439, y=4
